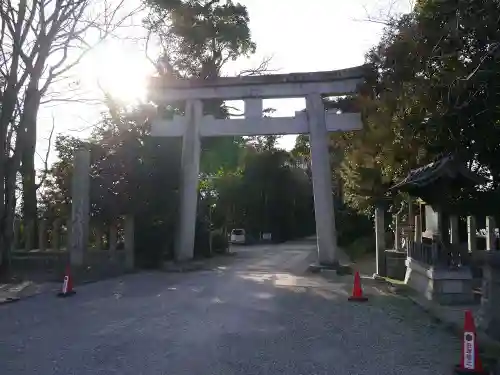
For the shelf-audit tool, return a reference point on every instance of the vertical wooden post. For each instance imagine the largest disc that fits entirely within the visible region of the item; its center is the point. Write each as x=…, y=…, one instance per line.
x=471, y=234
x=418, y=229
x=80, y=207
x=380, y=241
x=491, y=238
x=397, y=233
x=129, y=242
x=454, y=240
x=416, y=247
x=411, y=225
x=439, y=221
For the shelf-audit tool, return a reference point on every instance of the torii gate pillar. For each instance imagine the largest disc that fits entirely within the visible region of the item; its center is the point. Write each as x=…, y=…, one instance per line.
x=190, y=169
x=326, y=231
x=316, y=122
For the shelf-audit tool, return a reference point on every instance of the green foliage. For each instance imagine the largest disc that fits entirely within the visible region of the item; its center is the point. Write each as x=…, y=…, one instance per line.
x=154, y=239
x=221, y=154
x=361, y=246
x=263, y=142
x=199, y=36
x=135, y=174
x=351, y=225
x=56, y=192
x=220, y=243
x=269, y=193
x=351, y=222
x=132, y=173
x=122, y=156
x=432, y=90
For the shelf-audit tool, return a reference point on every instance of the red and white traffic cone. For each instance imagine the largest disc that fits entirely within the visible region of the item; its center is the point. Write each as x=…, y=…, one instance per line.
x=357, y=292
x=67, y=287
x=470, y=362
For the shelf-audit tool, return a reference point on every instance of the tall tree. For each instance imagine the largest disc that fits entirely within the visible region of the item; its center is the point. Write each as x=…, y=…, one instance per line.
x=131, y=170
x=432, y=91
x=270, y=193
x=197, y=38
x=40, y=41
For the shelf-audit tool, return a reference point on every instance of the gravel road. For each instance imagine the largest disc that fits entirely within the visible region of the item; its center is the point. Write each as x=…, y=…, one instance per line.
x=257, y=314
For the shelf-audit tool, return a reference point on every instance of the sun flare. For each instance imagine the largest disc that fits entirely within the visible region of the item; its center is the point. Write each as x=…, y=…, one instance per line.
x=122, y=72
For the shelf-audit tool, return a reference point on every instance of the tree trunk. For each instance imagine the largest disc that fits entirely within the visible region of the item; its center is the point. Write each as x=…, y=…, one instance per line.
x=32, y=104
x=7, y=220
x=8, y=104
x=29, y=199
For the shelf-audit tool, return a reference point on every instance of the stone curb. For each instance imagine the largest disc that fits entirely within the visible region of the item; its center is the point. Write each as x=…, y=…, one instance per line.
x=33, y=289
x=486, y=343
x=29, y=289
x=6, y=300
x=452, y=326
x=340, y=270
x=16, y=293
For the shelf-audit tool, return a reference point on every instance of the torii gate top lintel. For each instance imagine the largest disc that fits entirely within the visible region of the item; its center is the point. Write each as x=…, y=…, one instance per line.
x=335, y=82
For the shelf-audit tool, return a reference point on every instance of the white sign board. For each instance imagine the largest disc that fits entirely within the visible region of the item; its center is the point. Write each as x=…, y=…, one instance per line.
x=267, y=236
x=469, y=359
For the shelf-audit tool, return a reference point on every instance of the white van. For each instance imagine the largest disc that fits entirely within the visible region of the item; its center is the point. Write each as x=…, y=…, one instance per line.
x=238, y=236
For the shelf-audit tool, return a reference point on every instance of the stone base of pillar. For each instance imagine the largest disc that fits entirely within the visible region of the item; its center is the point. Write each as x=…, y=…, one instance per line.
x=447, y=287
x=336, y=266
x=318, y=267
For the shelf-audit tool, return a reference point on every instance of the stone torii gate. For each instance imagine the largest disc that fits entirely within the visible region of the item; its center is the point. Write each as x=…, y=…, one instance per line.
x=252, y=90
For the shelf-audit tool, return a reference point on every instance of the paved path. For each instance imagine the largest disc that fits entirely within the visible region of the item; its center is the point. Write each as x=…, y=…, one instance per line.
x=256, y=315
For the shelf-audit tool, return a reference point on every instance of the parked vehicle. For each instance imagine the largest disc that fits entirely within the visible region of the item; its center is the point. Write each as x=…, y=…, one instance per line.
x=238, y=236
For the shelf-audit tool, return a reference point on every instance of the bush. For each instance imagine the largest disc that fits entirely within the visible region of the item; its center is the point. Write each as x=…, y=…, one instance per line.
x=352, y=226
x=360, y=247
x=220, y=243
x=202, y=239
x=153, y=241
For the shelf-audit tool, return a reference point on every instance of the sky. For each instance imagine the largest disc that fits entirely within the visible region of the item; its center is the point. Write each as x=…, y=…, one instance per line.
x=316, y=35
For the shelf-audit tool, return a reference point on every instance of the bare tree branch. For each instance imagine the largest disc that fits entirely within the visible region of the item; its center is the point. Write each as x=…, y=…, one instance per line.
x=386, y=12
x=110, y=26
x=47, y=154
x=261, y=69
x=38, y=43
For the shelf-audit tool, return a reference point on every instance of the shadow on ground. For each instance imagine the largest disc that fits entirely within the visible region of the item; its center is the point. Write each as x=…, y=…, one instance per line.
x=252, y=315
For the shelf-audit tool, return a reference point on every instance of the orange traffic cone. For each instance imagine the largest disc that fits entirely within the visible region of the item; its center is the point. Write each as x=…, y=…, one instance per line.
x=67, y=287
x=357, y=292
x=470, y=362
